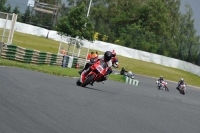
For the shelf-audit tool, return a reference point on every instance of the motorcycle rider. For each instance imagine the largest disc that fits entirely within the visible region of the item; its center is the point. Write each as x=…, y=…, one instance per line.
x=114, y=62
x=181, y=82
x=160, y=80
x=111, y=60
x=122, y=72
x=107, y=58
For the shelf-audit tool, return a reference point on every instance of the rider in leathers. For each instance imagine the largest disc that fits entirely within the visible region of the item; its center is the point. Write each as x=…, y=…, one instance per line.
x=110, y=59
x=160, y=80
x=181, y=82
x=114, y=62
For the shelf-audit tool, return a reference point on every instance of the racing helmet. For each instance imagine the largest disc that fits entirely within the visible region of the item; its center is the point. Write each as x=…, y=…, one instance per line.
x=182, y=80
x=129, y=72
x=113, y=53
x=107, y=56
x=161, y=77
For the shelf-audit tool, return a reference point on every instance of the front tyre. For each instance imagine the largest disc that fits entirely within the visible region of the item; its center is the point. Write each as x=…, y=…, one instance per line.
x=183, y=91
x=88, y=80
x=78, y=82
x=166, y=88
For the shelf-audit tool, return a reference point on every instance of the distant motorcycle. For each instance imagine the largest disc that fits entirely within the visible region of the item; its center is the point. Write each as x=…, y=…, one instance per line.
x=182, y=89
x=127, y=73
x=162, y=86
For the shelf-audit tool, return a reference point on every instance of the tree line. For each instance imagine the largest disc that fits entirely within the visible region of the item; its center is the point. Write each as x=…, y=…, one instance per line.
x=155, y=26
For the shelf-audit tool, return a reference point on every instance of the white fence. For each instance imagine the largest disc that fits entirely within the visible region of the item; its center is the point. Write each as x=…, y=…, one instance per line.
x=126, y=52
x=7, y=24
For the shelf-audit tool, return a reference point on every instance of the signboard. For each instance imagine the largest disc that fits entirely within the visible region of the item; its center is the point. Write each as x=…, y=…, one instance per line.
x=31, y=3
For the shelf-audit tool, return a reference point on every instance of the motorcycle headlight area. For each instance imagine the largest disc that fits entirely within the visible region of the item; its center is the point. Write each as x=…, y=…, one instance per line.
x=99, y=68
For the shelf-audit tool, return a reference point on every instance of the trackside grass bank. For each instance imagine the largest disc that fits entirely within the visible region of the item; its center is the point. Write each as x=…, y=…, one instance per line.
x=136, y=66
x=55, y=70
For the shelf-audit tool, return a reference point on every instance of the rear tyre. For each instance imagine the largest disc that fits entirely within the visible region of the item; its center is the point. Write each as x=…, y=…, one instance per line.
x=88, y=80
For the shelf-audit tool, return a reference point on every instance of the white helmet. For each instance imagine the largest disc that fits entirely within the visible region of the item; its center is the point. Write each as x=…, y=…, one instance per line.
x=182, y=79
x=129, y=72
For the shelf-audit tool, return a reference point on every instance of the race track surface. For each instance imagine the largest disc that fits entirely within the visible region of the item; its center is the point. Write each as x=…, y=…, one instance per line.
x=33, y=102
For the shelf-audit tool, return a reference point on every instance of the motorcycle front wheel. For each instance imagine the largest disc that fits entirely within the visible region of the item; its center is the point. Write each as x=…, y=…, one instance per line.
x=183, y=91
x=78, y=82
x=166, y=88
x=89, y=79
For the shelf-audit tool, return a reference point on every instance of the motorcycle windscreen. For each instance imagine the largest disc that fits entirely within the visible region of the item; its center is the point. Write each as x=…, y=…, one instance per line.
x=101, y=66
x=182, y=86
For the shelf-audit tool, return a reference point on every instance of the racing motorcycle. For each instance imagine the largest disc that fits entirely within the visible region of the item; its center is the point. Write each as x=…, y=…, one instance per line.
x=127, y=73
x=182, y=89
x=162, y=85
x=97, y=71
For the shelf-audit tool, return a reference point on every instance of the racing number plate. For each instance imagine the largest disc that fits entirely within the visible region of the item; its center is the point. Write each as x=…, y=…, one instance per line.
x=99, y=68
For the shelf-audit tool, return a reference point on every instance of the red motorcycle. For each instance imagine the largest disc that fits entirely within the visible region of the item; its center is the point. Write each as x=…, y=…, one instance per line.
x=98, y=70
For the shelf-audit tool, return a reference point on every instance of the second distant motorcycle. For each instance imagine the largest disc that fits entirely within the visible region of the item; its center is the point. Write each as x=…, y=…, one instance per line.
x=162, y=85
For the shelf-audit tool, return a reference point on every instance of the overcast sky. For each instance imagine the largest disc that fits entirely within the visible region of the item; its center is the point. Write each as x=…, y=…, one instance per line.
x=195, y=4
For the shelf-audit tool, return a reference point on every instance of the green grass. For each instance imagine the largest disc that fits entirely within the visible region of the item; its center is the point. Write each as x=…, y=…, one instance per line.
x=55, y=70
x=136, y=66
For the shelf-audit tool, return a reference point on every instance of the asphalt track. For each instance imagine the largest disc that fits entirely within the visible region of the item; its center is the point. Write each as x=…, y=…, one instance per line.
x=33, y=102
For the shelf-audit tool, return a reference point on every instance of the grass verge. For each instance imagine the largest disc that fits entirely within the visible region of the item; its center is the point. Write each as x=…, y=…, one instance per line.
x=55, y=70
x=136, y=66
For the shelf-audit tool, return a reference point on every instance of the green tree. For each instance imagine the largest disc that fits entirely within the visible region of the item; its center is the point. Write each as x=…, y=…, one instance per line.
x=26, y=16
x=76, y=24
x=8, y=8
x=16, y=10
x=3, y=5
x=188, y=40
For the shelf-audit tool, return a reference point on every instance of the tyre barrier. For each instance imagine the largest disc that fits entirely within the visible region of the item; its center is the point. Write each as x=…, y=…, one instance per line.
x=131, y=81
x=14, y=52
x=17, y=53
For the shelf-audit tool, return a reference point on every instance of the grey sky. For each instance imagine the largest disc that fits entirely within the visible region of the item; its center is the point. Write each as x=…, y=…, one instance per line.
x=195, y=4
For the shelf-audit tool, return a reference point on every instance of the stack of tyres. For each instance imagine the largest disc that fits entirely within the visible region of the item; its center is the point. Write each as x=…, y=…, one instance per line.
x=53, y=59
x=11, y=51
x=75, y=61
x=42, y=58
x=28, y=55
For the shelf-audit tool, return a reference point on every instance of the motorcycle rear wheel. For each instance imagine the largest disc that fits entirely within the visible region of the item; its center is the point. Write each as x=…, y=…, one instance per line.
x=88, y=80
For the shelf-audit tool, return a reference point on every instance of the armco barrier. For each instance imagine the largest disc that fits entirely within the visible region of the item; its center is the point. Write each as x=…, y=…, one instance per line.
x=131, y=81
x=13, y=52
